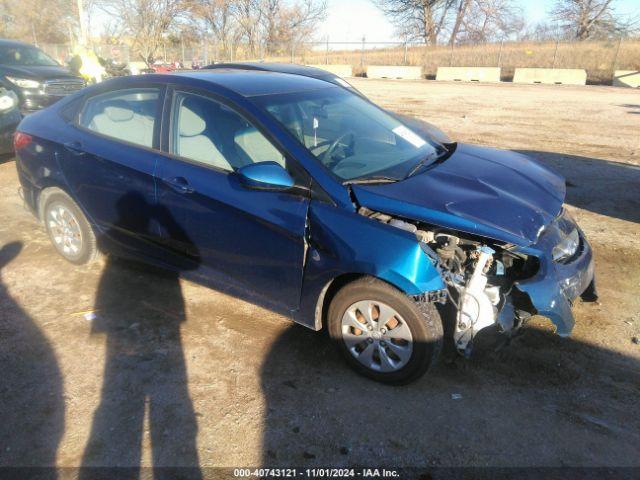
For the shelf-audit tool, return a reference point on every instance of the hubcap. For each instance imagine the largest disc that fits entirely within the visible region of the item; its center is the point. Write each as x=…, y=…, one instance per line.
x=377, y=336
x=65, y=230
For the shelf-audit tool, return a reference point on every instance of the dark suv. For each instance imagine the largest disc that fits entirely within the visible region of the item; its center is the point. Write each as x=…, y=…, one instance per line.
x=37, y=79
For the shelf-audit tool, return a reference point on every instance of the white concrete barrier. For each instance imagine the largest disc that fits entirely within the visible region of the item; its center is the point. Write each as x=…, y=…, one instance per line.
x=626, y=78
x=389, y=71
x=339, y=70
x=469, y=74
x=552, y=76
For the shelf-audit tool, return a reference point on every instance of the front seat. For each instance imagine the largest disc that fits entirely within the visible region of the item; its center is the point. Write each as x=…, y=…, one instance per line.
x=192, y=143
x=256, y=148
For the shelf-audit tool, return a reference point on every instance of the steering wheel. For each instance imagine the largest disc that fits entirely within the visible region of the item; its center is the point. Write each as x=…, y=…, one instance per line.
x=327, y=155
x=319, y=145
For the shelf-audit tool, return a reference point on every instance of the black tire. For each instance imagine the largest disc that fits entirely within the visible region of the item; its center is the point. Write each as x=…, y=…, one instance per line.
x=422, y=319
x=52, y=200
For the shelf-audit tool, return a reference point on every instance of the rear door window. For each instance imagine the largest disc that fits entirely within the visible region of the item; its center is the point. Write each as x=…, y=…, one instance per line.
x=129, y=115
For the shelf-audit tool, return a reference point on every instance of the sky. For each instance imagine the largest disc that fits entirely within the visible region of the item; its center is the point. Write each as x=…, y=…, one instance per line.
x=350, y=20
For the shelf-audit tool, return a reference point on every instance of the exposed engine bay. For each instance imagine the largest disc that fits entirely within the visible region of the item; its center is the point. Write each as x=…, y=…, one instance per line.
x=480, y=278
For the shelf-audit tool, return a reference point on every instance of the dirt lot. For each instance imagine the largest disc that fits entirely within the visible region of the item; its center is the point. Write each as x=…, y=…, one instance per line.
x=197, y=377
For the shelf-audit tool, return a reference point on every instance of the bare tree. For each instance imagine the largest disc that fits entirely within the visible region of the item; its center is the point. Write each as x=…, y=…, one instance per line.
x=218, y=17
x=302, y=19
x=26, y=20
x=587, y=18
x=460, y=14
x=488, y=20
x=146, y=22
x=248, y=15
x=286, y=23
x=423, y=19
x=268, y=25
x=462, y=20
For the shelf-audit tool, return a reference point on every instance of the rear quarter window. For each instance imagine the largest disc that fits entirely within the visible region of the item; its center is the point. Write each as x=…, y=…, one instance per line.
x=69, y=112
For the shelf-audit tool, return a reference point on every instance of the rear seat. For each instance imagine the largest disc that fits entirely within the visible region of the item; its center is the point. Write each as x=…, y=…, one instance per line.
x=119, y=120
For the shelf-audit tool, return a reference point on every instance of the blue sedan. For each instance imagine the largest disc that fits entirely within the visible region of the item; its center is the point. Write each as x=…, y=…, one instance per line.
x=302, y=196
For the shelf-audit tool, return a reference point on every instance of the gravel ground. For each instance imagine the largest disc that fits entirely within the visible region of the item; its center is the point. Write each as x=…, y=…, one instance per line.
x=173, y=373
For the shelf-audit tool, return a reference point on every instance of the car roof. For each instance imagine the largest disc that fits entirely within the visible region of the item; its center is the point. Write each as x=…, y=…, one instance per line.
x=251, y=83
x=14, y=43
x=276, y=67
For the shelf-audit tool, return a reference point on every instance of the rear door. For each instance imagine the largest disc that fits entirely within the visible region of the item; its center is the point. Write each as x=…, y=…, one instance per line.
x=251, y=241
x=110, y=164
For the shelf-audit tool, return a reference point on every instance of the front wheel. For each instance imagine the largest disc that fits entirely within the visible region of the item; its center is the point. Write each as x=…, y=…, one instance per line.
x=382, y=333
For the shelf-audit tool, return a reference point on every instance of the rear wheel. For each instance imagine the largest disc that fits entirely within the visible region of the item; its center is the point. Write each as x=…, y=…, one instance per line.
x=382, y=333
x=68, y=228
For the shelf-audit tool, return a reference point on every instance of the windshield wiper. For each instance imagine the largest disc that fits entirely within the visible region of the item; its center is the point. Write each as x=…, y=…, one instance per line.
x=418, y=166
x=374, y=179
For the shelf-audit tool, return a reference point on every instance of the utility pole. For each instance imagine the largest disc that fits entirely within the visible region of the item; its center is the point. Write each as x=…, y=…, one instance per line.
x=83, y=27
x=182, y=49
x=326, y=52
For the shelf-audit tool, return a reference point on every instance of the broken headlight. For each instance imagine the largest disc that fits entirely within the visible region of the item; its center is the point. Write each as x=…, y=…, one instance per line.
x=568, y=247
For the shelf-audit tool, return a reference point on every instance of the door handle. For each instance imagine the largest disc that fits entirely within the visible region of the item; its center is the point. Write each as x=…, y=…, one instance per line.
x=179, y=184
x=74, y=147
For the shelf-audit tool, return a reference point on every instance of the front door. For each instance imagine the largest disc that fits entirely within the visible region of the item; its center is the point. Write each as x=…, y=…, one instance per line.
x=248, y=242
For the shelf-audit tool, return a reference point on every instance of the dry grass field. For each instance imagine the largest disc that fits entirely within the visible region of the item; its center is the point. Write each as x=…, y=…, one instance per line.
x=191, y=376
x=600, y=58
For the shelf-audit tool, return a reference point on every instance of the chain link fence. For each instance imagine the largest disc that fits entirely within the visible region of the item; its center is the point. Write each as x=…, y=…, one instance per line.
x=63, y=52
x=599, y=58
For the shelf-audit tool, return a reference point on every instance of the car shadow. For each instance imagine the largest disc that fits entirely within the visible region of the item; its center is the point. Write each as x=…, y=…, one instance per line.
x=601, y=186
x=140, y=309
x=633, y=109
x=31, y=388
x=530, y=402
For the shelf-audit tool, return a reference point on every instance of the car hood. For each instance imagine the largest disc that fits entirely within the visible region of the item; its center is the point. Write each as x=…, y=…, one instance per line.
x=37, y=73
x=492, y=193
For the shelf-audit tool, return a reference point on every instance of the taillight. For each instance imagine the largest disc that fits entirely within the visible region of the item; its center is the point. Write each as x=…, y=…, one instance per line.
x=21, y=140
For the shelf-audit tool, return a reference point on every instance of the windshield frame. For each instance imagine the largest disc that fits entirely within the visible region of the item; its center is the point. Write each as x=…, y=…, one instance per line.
x=417, y=160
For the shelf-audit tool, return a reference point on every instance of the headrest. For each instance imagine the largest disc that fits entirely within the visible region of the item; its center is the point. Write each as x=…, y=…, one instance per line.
x=244, y=133
x=191, y=119
x=257, y=147
x=118, y=111
x=288, y=117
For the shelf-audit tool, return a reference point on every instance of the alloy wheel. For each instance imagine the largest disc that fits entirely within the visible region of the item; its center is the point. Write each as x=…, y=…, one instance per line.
x=65, y=230
x=377, y=336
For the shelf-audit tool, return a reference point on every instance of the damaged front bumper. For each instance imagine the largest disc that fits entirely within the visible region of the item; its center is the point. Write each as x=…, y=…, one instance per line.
x=555, y=286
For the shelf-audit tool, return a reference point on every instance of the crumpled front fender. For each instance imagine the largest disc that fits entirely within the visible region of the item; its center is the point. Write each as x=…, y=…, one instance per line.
x=556, y=285
x=342, y=242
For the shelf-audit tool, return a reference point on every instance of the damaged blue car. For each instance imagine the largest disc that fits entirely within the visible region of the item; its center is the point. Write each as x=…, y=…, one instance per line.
x=305, y=197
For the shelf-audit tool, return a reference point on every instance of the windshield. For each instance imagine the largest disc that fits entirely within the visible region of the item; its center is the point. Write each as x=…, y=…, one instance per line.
x=24, y=55
x=353, y=138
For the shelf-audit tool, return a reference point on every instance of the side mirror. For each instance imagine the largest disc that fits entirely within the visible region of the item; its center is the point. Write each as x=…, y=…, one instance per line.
x=265, y=176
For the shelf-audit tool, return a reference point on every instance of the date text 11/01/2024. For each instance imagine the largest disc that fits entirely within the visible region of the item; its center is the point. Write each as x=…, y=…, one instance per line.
x=315, y=473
